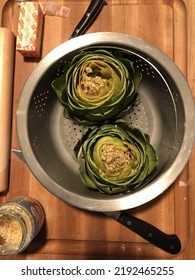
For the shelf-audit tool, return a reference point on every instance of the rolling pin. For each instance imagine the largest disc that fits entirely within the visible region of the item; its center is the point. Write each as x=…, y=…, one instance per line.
x=7, y=50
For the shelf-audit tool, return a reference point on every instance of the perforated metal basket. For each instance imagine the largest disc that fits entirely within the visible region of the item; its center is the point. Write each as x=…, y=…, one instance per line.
x=166, y=112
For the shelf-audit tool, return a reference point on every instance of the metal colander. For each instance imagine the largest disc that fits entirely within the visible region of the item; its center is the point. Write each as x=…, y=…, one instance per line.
x=165, y=111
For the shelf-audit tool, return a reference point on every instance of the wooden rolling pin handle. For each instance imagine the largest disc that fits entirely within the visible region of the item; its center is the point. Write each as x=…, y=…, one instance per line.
x=7, y=50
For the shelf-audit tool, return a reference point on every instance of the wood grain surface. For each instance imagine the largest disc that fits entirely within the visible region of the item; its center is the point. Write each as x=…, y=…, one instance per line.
x=71, y=233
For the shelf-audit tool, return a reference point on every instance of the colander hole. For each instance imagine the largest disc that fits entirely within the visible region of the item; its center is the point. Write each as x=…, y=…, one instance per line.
x=62, y=61
x=40, y=101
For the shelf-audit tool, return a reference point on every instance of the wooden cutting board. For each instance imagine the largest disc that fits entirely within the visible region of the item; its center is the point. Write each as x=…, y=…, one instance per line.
x=71, y=233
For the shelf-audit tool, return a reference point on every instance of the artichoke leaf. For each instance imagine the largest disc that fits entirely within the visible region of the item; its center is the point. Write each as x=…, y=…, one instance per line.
x=59, y=86
x=152, y=156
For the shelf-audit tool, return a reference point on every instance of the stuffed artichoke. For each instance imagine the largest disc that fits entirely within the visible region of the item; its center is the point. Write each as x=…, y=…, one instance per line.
x=115, y=157
x=97, y=86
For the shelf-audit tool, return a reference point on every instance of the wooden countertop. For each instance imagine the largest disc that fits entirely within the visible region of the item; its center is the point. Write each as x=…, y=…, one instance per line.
x=71, y=233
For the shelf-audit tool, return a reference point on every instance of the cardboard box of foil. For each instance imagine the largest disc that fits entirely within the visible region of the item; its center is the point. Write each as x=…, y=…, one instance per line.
x=30, y=25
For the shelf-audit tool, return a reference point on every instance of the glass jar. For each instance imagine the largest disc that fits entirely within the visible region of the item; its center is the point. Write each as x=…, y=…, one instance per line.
x=20, y=220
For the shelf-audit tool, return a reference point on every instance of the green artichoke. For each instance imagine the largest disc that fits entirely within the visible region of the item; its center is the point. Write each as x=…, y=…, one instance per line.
x=97, y=86
x=115, y=157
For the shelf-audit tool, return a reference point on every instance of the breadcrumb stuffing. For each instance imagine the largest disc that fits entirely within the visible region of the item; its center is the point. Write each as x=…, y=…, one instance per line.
x=114, y=158
x=10, y=230
x=93, y=85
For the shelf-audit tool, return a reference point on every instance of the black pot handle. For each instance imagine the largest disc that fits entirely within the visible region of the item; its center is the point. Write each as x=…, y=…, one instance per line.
x=91, y=13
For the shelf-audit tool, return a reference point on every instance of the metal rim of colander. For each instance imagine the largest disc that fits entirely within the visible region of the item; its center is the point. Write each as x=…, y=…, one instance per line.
x=160, y=183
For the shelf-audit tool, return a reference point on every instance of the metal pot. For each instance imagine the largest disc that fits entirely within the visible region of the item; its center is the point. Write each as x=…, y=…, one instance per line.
x=166, y=112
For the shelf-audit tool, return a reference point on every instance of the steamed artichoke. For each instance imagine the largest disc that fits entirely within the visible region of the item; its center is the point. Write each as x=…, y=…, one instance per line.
x=97, y=86
x=115, y=157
